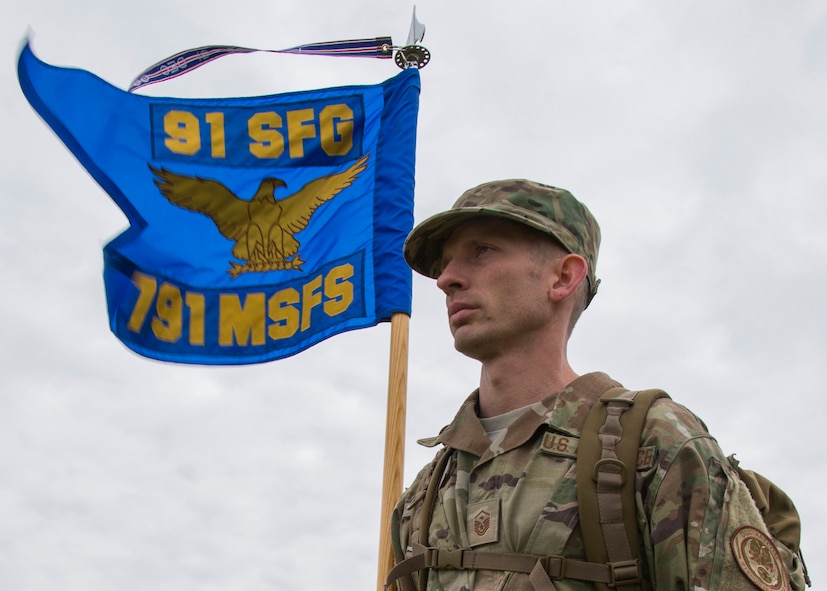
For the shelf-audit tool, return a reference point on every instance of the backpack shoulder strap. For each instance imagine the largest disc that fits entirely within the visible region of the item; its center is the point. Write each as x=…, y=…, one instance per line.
x=606, y=461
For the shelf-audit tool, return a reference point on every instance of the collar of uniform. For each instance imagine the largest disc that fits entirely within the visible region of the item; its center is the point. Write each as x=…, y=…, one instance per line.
x=572, y=403
x=564, y=411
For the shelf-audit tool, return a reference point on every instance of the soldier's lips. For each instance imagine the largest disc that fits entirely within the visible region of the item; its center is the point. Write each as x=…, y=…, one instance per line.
x=459, y=313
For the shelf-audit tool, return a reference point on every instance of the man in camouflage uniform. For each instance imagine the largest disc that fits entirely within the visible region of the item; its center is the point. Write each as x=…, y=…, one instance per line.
x=516, y=261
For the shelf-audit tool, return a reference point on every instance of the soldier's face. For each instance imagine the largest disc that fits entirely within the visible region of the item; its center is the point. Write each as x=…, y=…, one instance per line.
x=497, y=294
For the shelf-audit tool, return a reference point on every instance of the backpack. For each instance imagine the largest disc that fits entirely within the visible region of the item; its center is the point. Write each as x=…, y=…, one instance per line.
x=607, y=458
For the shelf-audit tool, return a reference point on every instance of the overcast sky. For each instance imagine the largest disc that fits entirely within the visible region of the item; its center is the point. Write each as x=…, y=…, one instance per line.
x=697, y=134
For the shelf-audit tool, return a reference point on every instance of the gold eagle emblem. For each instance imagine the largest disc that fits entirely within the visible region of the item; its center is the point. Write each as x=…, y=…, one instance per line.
x=264, y=229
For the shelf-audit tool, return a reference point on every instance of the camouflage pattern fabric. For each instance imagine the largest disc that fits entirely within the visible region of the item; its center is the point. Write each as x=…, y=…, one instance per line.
x=550, y=210
x=520, y=496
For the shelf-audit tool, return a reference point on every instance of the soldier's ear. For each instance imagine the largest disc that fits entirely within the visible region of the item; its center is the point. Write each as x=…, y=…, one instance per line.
x=571, y=270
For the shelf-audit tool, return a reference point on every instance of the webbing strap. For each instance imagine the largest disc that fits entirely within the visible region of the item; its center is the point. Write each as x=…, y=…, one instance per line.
x=428, y=511
x=610, y=473
x=541, y=569
x=606, y=469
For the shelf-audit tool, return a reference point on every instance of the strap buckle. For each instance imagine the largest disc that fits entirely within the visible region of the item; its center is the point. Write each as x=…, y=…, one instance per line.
x=554, y=565
x=627, y=402
x=603, y=466
x=443, y=559
x=624, y=572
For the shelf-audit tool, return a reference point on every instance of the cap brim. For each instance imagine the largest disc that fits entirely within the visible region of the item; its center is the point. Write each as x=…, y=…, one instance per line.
x=423, y=247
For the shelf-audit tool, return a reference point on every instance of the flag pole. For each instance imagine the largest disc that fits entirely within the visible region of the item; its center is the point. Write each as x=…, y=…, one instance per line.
x=394, y=439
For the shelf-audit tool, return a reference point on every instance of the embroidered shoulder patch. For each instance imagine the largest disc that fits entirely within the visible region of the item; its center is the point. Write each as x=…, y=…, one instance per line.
x=759, y=559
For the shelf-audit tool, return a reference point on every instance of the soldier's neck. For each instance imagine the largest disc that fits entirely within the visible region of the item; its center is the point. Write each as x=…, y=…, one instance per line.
x=510, y=383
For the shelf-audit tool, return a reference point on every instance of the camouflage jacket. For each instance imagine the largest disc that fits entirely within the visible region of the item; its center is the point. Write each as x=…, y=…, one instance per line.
x=520, y=496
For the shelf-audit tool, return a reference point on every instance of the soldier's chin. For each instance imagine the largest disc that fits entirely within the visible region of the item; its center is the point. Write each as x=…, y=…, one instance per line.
x=470, y=345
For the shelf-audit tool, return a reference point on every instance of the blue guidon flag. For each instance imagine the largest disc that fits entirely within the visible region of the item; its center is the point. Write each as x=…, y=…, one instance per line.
x=258, y=226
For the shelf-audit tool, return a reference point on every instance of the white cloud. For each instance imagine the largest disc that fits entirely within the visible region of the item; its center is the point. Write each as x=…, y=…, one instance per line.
x=695, y=133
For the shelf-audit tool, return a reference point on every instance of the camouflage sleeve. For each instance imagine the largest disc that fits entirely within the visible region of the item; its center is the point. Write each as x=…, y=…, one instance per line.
x=692, y=503
x=684, y=513
x=681, y=495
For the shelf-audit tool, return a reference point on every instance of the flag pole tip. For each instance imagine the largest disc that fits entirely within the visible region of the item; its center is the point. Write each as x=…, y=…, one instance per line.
x=412, y=56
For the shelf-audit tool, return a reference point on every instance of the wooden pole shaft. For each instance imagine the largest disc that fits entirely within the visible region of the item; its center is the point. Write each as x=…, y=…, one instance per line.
x=394, y=439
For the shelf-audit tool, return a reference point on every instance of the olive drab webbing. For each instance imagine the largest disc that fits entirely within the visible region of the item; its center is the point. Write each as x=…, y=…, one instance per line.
x=606, y=463
x=427, y=514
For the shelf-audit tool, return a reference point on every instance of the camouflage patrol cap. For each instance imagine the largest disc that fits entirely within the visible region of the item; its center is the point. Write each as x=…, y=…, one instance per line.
x=550, y=210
